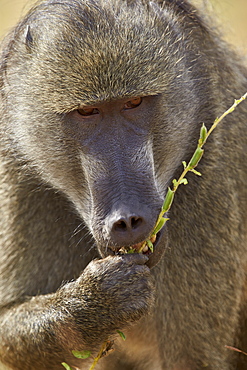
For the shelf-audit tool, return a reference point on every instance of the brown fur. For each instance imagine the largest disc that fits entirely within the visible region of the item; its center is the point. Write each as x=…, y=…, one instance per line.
x=67, y=183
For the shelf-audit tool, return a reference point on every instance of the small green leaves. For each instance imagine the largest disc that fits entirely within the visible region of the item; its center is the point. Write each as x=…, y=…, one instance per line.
x=81, y=354
x=67, y=367
x=168, y=200
x=203, y=135
x=122, y=335
x=195, y=158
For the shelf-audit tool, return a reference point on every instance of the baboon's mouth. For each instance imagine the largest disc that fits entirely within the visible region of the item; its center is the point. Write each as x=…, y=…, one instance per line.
x=141, y=247
x=154, y=255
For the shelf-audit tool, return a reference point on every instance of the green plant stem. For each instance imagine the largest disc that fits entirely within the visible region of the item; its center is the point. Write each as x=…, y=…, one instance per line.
x=215, y=124
x=230, y=110
x=201, y=143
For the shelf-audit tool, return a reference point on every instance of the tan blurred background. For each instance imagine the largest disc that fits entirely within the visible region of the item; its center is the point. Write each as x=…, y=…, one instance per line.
x=10, y=12
x=231, y=16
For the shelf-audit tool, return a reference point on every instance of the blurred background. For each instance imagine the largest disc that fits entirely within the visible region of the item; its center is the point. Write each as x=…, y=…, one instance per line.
x=230, y=15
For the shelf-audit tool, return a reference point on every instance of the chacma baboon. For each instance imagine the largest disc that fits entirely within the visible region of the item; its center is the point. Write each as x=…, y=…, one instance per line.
x=101, y=101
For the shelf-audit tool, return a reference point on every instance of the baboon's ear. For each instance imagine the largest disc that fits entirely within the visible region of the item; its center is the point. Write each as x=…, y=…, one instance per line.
x=28, y=38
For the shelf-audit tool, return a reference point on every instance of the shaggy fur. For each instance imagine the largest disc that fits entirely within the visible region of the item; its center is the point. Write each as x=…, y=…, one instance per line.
x=67, y=181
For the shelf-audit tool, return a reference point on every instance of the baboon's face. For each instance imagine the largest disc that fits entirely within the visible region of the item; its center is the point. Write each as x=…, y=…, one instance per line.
x=113, y=160
x=116, y=141
x=104, y=109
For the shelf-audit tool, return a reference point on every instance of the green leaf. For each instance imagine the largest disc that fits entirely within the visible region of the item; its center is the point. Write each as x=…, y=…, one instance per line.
x=122, y=335
x=203, y=134
x=67, y=367
x=184, y=181
x=168, y=200
x=81, y=354
x=132, y=250
x=196, y=172
x=195, y=158
x=150, y=245
x=184, y=164
x=160, y=225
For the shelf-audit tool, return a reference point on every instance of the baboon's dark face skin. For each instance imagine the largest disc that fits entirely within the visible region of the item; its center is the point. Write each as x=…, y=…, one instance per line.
x=115, y=140
x=115, y=160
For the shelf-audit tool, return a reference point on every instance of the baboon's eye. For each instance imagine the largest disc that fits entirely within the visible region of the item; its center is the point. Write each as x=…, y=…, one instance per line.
x=87, y=111
x=133, y=103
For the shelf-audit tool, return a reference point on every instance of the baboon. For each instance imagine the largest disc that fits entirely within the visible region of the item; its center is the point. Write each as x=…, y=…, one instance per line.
x=101, y=101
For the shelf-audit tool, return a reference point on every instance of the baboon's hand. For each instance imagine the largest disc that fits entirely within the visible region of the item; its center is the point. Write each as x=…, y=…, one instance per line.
x=114, y=291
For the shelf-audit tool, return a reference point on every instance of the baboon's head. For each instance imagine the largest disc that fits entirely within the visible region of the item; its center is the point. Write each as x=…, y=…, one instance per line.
x=103, y=107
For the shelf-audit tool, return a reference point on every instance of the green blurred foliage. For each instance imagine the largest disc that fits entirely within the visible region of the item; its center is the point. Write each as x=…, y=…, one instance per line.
x=231, y=17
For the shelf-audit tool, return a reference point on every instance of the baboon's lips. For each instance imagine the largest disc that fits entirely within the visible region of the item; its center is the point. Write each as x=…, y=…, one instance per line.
x=154, y=256
x=141, y=247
